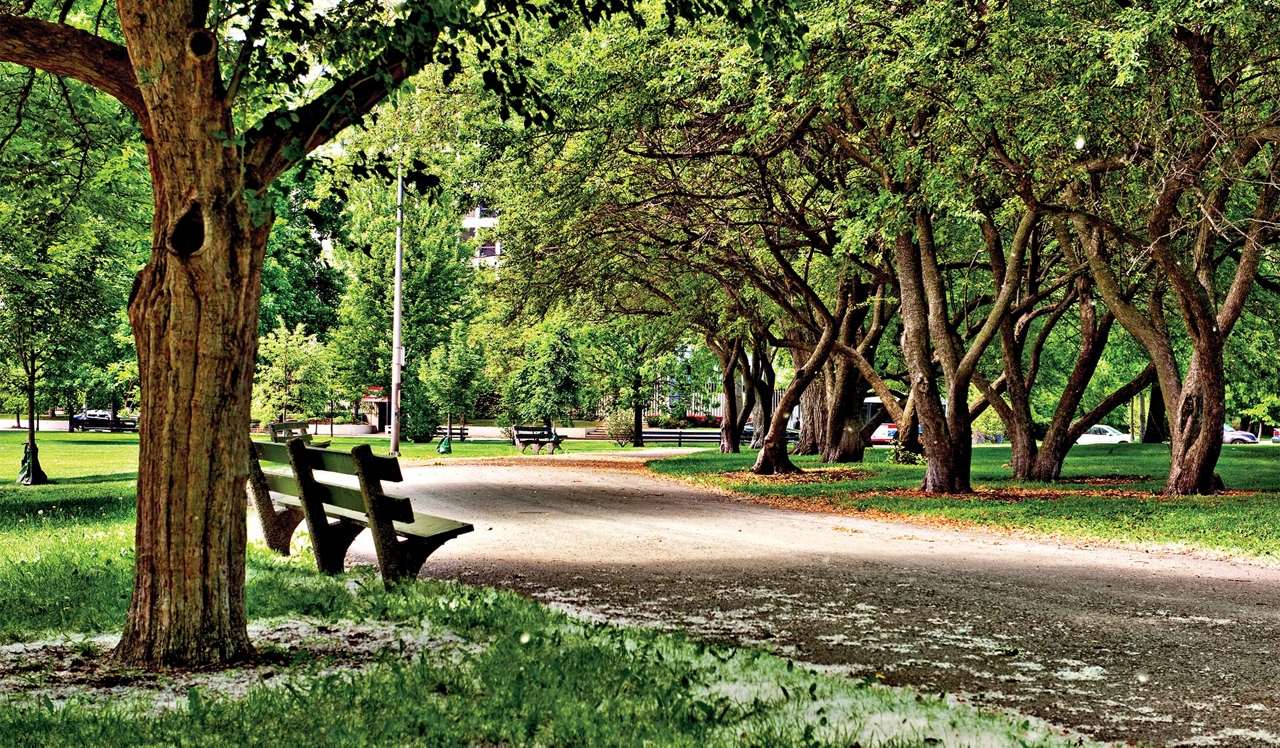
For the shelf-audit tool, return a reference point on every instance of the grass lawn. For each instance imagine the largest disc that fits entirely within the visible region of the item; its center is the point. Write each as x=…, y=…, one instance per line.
x=1127, y=509
x=503, y=669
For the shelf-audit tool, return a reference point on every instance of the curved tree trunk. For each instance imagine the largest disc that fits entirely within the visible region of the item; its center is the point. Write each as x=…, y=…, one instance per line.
x=773, y=455
x=1197, y=441
x=763, y=381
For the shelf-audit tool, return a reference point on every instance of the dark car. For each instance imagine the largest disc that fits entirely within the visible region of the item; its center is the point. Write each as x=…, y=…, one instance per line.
x=100, y=420
x=748, y=431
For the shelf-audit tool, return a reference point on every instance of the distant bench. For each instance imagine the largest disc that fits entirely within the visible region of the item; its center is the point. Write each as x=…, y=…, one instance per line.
x=403, y=538
x=283, y=431
x=686, y=436
x=455, y=432
x=535, y=436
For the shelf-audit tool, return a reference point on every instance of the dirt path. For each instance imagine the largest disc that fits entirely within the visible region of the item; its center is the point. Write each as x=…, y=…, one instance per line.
x=1120, y=644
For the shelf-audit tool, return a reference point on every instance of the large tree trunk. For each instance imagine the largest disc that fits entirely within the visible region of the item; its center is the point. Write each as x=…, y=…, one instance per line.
x=812, y=414
x=1197, y=433
x=1060, y=437
x=947, y=453
x=842, y=433
x=194, y=312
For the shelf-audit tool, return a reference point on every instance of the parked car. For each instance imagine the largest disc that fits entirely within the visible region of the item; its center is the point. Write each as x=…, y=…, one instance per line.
x=100, y=420
x=1231, y=436
x=748, y=431
x=1102, y=434
x=884, y=434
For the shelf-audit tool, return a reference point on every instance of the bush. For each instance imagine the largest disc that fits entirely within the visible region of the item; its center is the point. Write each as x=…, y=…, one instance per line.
x=419, y=418
x=619, y=425
x=702, y=422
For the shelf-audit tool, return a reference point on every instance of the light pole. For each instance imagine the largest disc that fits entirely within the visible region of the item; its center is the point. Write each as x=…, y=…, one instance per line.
x=397, y=351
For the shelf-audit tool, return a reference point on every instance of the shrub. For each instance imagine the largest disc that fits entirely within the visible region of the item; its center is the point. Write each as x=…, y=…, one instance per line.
x=619, y=425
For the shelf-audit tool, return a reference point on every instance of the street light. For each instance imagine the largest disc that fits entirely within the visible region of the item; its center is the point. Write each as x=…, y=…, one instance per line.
x=397, y=351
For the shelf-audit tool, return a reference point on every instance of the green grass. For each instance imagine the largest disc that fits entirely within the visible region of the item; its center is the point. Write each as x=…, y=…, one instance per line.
x=1243, y=525
x=520, y=674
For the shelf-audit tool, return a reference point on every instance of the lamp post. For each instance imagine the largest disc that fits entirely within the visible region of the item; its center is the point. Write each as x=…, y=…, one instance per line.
x=397, y=351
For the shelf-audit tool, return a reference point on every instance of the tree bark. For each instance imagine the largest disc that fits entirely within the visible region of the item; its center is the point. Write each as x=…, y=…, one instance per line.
x=637, y=411
x=1155, y=429
x=32, y=474
x=842, y=429
x=730, y=354
x=813, y=408
x=764, y=380
x=1201, y=415
x=773, y=456
x=194, y=312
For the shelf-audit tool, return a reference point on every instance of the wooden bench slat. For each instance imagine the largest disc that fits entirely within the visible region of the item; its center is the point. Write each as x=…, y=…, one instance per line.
x=281, y=483
x=423, y=525
x=384, y=468
x=427, y=526
x=272, y=452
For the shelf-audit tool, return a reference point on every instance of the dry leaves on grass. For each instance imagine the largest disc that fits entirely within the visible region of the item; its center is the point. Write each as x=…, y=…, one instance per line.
x=812, y=475
x=1110, y=480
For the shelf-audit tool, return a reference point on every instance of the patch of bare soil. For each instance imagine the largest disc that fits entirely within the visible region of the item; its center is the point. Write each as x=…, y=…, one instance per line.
x=84, y=669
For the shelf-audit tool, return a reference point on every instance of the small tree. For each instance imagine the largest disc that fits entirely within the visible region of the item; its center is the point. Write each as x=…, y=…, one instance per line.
x=547, y=385
x=292, y=375
x=453, y=376
x=620, y=426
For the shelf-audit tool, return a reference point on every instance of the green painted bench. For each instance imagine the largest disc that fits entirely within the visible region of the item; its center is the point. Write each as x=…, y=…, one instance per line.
x=283, y=431
x=535, y=436
x=335, y=514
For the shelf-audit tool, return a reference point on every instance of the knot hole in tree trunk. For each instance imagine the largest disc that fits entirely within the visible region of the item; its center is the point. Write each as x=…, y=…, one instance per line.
x=187, y=235
x=201, y=43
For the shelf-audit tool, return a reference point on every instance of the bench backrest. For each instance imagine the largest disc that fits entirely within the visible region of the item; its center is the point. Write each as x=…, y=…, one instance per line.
x=361, y=462
x=286, y=430
x=531, y=432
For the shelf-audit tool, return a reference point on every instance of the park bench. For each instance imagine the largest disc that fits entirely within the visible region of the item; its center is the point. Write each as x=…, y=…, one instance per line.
x=535, y=436
x=458, y=433
x=684, y=436
x=335, y=514
x=283, y=431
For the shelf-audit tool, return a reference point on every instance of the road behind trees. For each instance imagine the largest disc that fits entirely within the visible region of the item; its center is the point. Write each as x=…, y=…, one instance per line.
x=1121, y=644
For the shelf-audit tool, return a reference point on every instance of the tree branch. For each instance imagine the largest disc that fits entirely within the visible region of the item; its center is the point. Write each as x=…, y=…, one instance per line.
x=73, y=53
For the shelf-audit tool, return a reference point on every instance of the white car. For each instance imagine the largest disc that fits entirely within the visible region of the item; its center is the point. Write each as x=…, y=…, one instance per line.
x=1234, y=436
x=1101, y=434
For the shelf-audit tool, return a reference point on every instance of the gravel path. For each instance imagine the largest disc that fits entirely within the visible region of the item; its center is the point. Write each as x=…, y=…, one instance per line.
x=1120, y=644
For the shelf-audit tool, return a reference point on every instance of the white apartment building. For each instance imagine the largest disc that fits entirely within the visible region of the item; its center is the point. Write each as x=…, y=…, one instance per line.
x=489, y=254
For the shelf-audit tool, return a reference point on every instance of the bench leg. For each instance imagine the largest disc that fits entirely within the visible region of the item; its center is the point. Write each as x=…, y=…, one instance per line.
x=331, y=547
x=410, y=554
x=278, y=524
